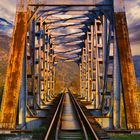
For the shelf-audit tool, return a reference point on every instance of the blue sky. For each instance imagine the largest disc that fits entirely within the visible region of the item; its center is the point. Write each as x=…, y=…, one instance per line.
x=8, y=7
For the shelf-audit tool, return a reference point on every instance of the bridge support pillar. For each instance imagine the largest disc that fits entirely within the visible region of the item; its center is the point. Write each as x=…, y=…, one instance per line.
x=14, y=74
x=128, y=78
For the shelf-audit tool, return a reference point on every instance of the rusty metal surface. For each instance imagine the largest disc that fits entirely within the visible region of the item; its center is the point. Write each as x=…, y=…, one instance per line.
x=131, y=96
x=14, y=73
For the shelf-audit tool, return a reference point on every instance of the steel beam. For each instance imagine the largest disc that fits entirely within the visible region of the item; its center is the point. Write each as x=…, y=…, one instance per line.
x=116, y=82
x=14, y=74
x=70, y=4
x=131, y=96
x=80, y=66
x=23, y=95
x=83, y=72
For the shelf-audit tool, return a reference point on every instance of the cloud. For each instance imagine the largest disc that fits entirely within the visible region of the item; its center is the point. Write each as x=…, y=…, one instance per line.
x=7, y=13
x=6, y=26
x=133, y=20
x=132, y=10
x=8, y=8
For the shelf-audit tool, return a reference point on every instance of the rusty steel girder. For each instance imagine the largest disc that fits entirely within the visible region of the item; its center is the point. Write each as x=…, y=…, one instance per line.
x=10, y=98
x=131, y=96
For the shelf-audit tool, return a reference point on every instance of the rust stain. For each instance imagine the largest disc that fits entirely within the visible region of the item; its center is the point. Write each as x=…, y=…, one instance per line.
x=14, y=73
x=131, y=96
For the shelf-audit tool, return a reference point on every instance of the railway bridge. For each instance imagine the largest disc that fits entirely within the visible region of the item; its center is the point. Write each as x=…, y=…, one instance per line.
x=91, y=33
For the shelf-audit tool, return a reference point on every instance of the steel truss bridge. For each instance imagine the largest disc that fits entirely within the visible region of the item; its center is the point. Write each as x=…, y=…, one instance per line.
x=92, y=33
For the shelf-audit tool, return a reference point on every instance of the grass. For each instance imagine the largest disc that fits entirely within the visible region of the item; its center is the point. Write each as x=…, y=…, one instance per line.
x=125, y=137
x=40, y=130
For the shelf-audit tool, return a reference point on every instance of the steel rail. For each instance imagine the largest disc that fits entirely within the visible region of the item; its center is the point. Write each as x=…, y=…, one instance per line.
x=58, y=123
x=54, y=118
x=80, y=119
x=82, y=113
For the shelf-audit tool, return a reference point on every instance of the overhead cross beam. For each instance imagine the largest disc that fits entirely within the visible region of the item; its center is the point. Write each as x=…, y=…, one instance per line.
x=96, y=5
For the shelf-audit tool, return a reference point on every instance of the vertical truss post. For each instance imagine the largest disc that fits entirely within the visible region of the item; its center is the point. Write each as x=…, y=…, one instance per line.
x=49, y=72
x=52, y=73
x=84, y=72
x=93, y=89
x=46, y=42
x=54, y=80
x=116, y=82
x=90, y=62
x=131, y=96
x=30, y=67
x=94, y=66
x=37, y=61
x=14, y=73
x=86, y=68
x=23, y=94
x=81, y=80
x=89, y=65
x=99, y=59
x=109, y=78
x=30, y=62
x=105, y=46
x=42, y=52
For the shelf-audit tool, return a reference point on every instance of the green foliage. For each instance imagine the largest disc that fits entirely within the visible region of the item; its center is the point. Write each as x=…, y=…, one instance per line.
x=125, y=137
x=40, y=130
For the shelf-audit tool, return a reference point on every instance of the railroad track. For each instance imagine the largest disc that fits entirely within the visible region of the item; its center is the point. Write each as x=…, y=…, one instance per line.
x=70, y=122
